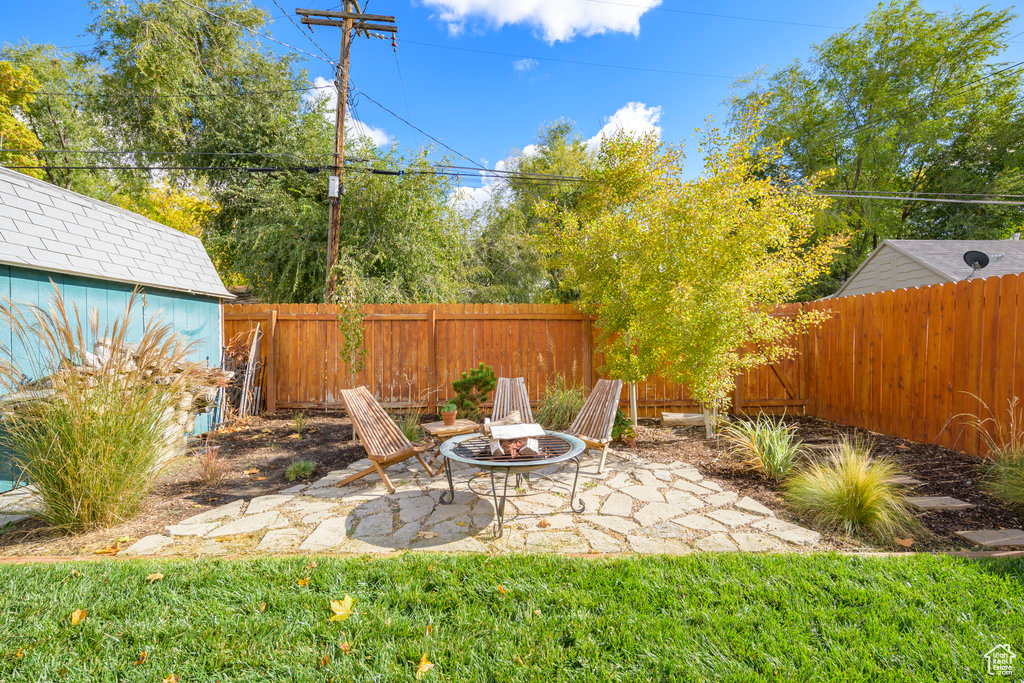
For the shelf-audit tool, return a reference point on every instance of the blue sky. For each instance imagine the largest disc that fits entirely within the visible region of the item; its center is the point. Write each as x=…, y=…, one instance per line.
x=488, y=105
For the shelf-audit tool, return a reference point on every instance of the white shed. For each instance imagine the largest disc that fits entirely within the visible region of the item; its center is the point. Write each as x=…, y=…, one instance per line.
x=896, y=264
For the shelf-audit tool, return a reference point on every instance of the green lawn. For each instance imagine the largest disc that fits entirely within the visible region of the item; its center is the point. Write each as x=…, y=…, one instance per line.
x=797, y=617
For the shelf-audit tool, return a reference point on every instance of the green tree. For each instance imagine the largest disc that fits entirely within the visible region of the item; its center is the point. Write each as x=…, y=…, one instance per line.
x=17, y=89
x=683, y=276
x=510, y=263
x=909, y=101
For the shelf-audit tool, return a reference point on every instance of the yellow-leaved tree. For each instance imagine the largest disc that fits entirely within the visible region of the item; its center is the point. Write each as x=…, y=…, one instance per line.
x=683, y=275
x=17, y=88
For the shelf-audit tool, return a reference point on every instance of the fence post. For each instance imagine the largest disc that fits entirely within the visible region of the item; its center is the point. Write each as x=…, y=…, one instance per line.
x=432, y=396
x=271, y=369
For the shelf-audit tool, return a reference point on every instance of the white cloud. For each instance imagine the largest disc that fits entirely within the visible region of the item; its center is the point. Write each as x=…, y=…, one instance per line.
x=353, y=127
x=525, y=64
x=530, y=150
x=636, y=119
x=557, y=20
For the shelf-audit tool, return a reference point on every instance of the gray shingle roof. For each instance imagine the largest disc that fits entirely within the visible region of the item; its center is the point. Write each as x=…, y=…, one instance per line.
x=947, y=256
x=46, y=227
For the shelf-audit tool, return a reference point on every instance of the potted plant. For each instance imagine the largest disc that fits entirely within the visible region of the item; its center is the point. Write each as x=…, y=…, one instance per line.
x=448, y=412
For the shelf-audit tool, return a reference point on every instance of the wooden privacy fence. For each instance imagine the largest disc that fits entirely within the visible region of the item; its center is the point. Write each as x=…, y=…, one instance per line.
x=414, y=352
x=905, y=362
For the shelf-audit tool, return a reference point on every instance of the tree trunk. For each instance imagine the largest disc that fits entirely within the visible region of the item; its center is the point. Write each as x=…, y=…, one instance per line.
x=634, y=418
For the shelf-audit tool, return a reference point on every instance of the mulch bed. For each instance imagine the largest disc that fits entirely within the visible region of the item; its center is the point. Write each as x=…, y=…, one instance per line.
x=943, y=472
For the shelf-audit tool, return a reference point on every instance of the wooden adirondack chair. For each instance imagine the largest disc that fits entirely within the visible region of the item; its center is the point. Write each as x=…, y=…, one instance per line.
x=384, y=442
x=593, y=425
x=509, y=396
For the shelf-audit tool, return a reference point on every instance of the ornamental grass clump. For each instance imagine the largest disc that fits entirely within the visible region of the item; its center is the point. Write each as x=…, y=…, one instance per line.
x=853, y=492
x=765, y=445
x=1003, y=436
x=561, y=402
x=89, y=430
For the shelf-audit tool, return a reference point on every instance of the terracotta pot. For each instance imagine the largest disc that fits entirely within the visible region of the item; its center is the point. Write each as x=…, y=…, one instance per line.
x=449, y=417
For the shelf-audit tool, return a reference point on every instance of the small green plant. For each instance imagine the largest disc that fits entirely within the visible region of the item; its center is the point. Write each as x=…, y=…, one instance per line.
x=300, y=469
x=853, y=492
x=1003, y=437
x=471, y=390
x=622, y=428
x=299, y=422
x=560, y=404
x=409, y=423
x=766, y=445
x=448, y=407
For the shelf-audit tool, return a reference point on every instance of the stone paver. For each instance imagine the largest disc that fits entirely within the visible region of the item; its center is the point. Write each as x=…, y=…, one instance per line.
x=618, y=504
x=995, y=538
x=414, y=507
x=6, y=519
x=646, y=494
x=615, y=523
x=263, y=503
x=601, y=542
x=200, y=529
x=250, y=524
x=750, y=505
x=754, y=543
x=226, y=511
x=329, y=534
x=148, y=545
x=904, y=480
x=280, y=540
x=723, y=498
x=732, y=518
x=786, y=531
x=716, y=543
x=938, y=503
x=652, y=513
x=380, y=524
x=699, y=523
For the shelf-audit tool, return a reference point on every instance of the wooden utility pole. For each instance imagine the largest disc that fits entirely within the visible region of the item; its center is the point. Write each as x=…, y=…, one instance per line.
x=351, y=21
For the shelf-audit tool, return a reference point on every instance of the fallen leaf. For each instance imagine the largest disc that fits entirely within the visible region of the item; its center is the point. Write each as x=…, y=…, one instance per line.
x=262, y=607
x=543, y=524
x=171, y=678
x=521, y=662
x=903, y=447
x=295, y=436
x=428, y=629
x=430, y=568
x=427, y=534
x=325, y=660
x=423, y=668
x=303, y=582
x=311, y=565
x=536, y=612
x=905, y=542
x=20, y=654
x=109, y=550
x=124, y=539
x=142, y=658
x=252, y=470
x=342, y=609
x=501, y=589
x=460, y=524
x=155, y=577
x=345, y=647
x=260, y=478
x=77, y=616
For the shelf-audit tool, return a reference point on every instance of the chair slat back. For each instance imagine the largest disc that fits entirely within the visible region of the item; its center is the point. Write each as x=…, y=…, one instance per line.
x=378, y=433
x=597, y=416
x=510, y=395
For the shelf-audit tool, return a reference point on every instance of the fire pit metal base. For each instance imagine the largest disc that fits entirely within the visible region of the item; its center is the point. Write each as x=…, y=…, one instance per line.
x=474, y=449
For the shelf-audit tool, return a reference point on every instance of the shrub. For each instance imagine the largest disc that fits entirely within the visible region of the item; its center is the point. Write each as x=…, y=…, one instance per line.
x=299, y=421
x=1004, y=440
x=300, y=469
x=622, y=428
x=853, y=492
x=471, y=390
x=89, y=438
x=560, y=404
x=448, y=407
x=409, y=423
x=766, y=445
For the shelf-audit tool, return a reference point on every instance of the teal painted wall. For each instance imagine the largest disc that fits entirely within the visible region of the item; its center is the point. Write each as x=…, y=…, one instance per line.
x=196, y=317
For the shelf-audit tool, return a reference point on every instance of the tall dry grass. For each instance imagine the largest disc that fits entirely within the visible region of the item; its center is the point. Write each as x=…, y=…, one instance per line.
x=88, y=431
x=1003, y=436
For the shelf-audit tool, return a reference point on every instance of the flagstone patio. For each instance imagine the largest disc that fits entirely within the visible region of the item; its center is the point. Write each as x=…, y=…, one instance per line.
x=634, y=506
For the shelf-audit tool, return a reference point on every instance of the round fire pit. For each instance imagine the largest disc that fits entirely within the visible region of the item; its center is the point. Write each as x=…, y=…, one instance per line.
x=475, y=450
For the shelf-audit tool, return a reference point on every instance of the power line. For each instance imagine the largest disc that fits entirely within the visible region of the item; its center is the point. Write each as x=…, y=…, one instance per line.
x=935, y=200
x=623, y=67
x=308, y=37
